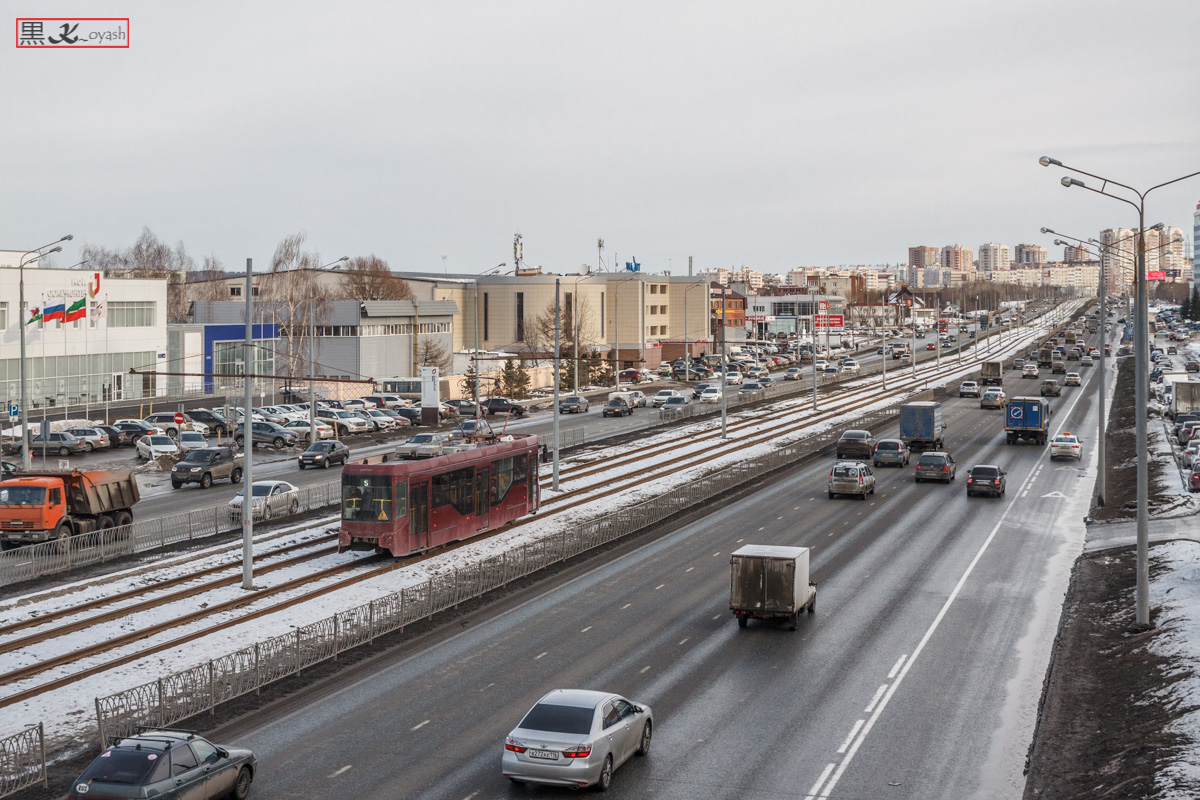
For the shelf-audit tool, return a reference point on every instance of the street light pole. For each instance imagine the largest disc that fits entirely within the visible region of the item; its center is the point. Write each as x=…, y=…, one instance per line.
x=557, y=322
x=26, y=456
x=1141, y=361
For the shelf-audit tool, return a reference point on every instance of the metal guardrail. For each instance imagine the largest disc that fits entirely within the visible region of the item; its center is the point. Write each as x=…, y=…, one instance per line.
x=34, y=561
x=184, y=694
x=23, y=760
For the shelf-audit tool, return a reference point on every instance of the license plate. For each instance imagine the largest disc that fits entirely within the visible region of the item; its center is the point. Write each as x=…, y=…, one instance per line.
x=549, y=755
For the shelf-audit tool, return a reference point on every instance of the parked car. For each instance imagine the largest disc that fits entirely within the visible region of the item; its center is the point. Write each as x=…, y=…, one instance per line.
x=301, y=428
x=502, y=405
x=851, y=477
x=985, y=479
x=574, y=404
x=1086, y=361
x=92, y=438
x=270, y=498
x=168, y=764
x=355, y=403
x=634, y=376
x=205, y=465
x=190, y=440
x=153, y=446
x=576, y=738
x=423, y=445
x=60, y=442
x=218, y=424
x=992, y=397
x=1018, y=363
x=855, y=444
x=891, y=451
x=968, y=389
x=346, y=422
x=1194, y=479
x=322, y=454
x=935, y=465
x=267, y=433
x=389, y=400
x=750, y=387
x=639, y=398
x=465, y=408
x=118, y=437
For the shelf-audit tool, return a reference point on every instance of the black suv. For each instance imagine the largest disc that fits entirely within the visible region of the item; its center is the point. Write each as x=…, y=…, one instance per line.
x=167, y=764
x=215, y=422
x=501, y=405
x=205, y=465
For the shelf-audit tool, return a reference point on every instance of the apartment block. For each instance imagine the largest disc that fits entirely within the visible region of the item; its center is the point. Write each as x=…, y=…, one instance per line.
x=993, y=257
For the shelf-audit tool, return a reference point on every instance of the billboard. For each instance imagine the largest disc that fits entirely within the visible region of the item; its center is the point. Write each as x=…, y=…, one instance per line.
x=1156, y=276
x=834, y=322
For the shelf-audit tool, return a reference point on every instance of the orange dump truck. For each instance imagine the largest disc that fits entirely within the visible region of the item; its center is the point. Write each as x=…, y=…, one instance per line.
x=49, y=506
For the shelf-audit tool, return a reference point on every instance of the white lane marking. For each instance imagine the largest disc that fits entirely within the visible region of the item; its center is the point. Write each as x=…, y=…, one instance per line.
x=339, y=772
x=850, y=738
x=933, y=626
x=681, y=641
x=643, y=669
x=1058, y=495
x=539, y=655
x=896, y=668
x=689, y=569
x=716, y=554
x=627, y=605
x=585, y=630
x=472, y=794
x=763, y=528
x=656, y=588
x=417, y=727
x=742, y=540
x=878, y=694
x=718, y=616
x=817, y=786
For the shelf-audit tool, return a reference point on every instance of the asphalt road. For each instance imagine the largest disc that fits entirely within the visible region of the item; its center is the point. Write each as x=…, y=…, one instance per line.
x=918, y=676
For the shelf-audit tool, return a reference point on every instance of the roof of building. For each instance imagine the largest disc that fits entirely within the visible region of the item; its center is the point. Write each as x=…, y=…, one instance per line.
x=405, y=308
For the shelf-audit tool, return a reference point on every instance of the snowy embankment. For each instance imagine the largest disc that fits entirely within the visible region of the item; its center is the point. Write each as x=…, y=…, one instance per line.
x=67, y=712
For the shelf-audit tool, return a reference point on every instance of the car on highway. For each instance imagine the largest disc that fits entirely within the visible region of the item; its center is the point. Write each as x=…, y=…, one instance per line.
x=906, y=359
x=1086, y=361
x=165, y=421
x=638, y=399
x=143, y=426
x=1051, y=388
x=935, y=465
x=1030, y=371
x=1072, y=379
x=464, y=408
x=992, y=397
x=576, y=738
x=271, y=499
x=851, y=366
x=389, y=400
x=1066, y=445
x=710, y=395
x=985, y=479
x=750, y=387
x=166, y=764
x=1194, y=479
x=675, y=403
x=855, y=443
x=385, y=421
x=663, y=396
x=1018, y=363
x=322, y=454
x=851, y=478
x=616, y=407
x=205, y=465
x=153, y=446
x=93, y=438
x=968, y=389
x=793, y=374
x=891, y=451
x=574, y=404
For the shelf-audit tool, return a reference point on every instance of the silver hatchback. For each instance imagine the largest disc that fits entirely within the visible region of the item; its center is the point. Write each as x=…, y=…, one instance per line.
x=576, y=738
x=851, y=477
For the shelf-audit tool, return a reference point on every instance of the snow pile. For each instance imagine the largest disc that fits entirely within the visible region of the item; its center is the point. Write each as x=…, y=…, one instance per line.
x=1176, y=589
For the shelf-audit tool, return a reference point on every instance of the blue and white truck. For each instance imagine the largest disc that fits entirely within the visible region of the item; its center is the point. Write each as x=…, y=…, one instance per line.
x=1027, y=418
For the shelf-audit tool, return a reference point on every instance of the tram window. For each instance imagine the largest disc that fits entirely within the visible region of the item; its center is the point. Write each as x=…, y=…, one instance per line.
x=367, y=498
x=455, y=489
x=401, y=496
x=502, y=478
x=519, y=468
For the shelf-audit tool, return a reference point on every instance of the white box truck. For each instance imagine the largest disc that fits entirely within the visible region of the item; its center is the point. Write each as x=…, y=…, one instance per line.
x=770, y=582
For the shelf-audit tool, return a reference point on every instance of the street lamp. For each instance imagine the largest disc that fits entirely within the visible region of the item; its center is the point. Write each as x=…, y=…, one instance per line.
x=1141, y=359
x=26, y=456
x=312, y=361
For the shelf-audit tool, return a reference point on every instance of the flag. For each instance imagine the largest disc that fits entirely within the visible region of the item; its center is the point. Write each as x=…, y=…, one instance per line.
x=77, y=310
x=55, y=311
x=35, y=314
x=98, y=309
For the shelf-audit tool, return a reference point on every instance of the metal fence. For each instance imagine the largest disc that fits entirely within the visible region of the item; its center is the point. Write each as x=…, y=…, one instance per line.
x=23, y=760
x=184, y=694
x=26, y=563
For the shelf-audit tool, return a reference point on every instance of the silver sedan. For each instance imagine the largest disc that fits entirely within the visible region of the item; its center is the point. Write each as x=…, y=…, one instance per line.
x=577, y=738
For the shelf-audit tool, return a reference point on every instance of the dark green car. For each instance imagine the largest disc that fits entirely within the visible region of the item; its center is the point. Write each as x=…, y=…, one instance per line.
x=171, y=765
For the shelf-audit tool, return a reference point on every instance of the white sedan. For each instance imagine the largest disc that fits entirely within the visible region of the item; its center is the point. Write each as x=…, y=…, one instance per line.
x=153, y=446
x=1066, y=445
x=712, y=395
x=850, y=365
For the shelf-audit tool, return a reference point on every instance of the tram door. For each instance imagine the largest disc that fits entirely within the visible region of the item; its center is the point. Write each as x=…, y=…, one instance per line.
x=418, y=515
x=482, y=496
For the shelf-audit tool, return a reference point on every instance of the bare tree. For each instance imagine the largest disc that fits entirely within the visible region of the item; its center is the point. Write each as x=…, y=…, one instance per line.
x=432, y=353
x=540, y=335
x=369, y=278
x=208, y=282
x=289, y=290
x=149, y=257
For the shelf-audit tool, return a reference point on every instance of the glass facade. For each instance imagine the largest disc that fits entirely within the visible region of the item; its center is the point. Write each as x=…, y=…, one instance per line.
x=59, y=380
x=133, y=314
x=227, y=360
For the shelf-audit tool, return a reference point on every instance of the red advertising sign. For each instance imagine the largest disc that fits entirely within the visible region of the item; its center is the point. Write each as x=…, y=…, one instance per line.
x=1156, y=276
x=831, y=321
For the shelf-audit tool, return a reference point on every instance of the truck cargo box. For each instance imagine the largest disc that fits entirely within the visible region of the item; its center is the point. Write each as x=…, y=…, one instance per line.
x=921, y=425
x=991, y=373
x=770, y=582
x=1027, y=418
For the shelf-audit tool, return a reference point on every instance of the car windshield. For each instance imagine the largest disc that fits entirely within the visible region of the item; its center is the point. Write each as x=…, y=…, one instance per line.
x=22, y=495
x=130, y=767
x=320, y=446
x=191, y=436
x=367, y=498
x=199, y=456
x=421, y=438
x=558, y=719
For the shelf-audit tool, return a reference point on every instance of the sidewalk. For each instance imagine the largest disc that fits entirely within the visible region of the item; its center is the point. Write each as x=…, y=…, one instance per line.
x=1107, y=535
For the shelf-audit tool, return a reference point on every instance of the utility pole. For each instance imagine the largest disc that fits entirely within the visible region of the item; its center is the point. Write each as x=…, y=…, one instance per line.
x=248, y=439
x=557, y=322
x=724, y=368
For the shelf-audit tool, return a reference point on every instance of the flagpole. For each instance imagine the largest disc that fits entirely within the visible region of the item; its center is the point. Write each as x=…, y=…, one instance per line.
x=87, y=364
x=45, y=407
x=108, y=355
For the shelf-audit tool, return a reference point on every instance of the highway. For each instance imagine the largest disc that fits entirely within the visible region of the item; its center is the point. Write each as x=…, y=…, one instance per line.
x=918, y=676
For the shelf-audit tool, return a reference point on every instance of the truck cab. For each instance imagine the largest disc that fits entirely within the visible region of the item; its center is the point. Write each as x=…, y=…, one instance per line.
x=31, y=510
x=38, y=507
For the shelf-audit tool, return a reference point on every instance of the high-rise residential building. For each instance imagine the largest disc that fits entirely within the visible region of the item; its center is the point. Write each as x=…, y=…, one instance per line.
x=1196, y=242
x=993, y=257
x=1117, y=254
x=1076, y=253
x=1030, y=254
x=716, y=274
x=922, y=256
x=957, y=258
x=1164, y=252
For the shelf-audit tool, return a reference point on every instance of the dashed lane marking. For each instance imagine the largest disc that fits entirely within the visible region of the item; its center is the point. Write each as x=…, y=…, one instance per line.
x=878, y=694
x=343, y=769
x=895, y=669
x=535, y=658
x=585, y=630
x=627, y=605
x=420, y=725
x=850, y=738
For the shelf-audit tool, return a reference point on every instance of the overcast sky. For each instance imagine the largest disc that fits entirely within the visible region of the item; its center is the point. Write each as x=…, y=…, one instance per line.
x=760, y=133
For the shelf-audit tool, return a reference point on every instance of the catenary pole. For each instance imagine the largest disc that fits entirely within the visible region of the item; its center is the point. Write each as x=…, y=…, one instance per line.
x=557, y=322
x=248, y=440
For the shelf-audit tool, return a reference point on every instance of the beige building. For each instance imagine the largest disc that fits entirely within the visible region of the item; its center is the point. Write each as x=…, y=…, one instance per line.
x=1030, y=254
x=1082, y=278
x=993, y=257
x=957, y=258
x=923, y=256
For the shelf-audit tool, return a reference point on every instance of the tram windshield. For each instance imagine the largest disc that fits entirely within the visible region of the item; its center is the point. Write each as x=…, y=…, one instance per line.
x=367, y=498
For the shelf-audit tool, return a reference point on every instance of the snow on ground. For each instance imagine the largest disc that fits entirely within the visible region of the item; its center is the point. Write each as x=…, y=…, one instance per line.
x=1176, y=590
x=67, y=712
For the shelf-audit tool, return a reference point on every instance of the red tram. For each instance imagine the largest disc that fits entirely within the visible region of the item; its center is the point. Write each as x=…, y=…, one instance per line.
x=405, y=507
